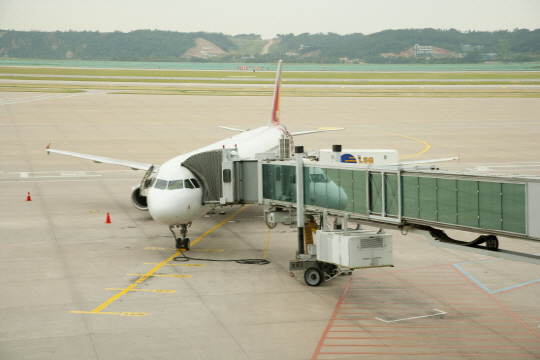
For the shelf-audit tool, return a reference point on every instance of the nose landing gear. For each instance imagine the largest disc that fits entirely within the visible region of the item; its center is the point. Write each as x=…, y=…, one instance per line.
x=182, y=242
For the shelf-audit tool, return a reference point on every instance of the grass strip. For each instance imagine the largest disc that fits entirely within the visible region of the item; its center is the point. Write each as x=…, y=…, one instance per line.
x=472, y=75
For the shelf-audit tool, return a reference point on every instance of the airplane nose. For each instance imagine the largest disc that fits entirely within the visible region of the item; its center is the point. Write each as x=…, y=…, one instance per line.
x=165, y=209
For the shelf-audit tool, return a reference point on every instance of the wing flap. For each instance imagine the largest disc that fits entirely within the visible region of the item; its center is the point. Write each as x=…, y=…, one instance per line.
x=101, y=159
x=426, y=161
x=314, y=131
x=233, y=129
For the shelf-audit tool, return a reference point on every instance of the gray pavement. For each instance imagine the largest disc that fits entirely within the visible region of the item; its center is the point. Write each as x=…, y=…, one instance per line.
x=60, y=261
x=243, y=78
x=344, y=85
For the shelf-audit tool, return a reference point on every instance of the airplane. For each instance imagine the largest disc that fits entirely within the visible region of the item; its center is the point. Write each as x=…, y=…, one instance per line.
x=174, y=194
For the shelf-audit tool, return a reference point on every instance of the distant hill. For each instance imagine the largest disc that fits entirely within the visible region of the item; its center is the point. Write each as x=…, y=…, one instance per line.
x=359, y=46
x=155, y=45
x=140, y=45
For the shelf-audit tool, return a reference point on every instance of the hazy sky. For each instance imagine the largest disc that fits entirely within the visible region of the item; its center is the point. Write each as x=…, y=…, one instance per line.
x=268, y=17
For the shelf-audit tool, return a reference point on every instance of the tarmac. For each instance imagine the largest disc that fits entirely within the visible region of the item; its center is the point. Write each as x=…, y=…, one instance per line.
x=74, y=287
x=120, y=82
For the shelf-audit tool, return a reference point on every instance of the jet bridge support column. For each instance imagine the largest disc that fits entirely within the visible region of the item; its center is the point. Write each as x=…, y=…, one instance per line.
x=299, y=154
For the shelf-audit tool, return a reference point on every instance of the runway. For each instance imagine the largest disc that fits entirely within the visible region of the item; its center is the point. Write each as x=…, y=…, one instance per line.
x=60, y=261
x=121, y=83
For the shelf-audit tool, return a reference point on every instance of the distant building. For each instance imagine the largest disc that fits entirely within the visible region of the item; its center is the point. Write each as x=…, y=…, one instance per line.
x=420, y=50
x=490, y=56
x=468, y=48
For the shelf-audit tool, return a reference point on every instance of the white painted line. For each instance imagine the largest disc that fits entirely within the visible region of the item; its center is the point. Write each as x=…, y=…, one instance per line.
x=416, y=317
x=24, y=174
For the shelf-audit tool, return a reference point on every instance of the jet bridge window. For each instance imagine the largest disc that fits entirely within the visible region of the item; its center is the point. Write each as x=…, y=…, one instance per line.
x=176, y=184
x=161, y=184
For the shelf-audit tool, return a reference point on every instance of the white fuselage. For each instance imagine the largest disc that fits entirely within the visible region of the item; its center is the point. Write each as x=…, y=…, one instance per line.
x=175, y=199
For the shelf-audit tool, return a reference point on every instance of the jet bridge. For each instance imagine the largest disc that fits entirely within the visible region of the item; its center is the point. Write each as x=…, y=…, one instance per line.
x=419, y=199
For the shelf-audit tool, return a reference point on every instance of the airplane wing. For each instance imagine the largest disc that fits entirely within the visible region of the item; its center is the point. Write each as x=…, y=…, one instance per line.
x=101, y=159
x=426, y=161
x=233, y=129
x=314, y=131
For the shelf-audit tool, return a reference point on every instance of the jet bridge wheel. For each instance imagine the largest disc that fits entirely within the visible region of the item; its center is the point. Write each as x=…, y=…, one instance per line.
x=313, y=276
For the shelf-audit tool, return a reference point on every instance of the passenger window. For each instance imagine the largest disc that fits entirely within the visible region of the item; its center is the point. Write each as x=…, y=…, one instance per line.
x=189, y=185
x=161, y=184
x=176, y=184
x=196, y=183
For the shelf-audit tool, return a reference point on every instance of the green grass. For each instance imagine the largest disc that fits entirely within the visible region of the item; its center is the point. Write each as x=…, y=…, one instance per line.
x=271, y=82
x=507, y=75
x=246, y=46
x=239, y=91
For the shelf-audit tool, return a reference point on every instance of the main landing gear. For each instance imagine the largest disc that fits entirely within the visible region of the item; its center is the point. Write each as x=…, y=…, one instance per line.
x=182, y=242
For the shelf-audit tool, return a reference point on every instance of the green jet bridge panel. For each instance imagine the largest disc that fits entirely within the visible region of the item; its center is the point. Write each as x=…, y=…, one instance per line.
x=498, y=205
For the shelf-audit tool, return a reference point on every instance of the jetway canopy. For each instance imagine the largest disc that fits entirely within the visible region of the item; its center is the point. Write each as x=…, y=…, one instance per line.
x=497, y=205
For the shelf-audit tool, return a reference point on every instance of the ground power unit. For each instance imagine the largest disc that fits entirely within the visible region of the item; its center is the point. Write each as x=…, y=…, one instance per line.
x=357, y=249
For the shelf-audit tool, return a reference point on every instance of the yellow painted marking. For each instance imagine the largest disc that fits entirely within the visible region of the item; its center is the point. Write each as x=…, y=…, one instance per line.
x=154, y=248
x=157, y=267
x=94, y=312
x=407, y=137
x=133, y=314
x=182, y=276
x=164, y=291
x=267, y=241
x=329, y=128
x=147, y=275
x=131, y=289
x=106, y=303
x=192, y=265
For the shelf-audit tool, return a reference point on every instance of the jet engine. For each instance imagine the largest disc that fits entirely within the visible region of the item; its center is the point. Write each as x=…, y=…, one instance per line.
x=138, y=200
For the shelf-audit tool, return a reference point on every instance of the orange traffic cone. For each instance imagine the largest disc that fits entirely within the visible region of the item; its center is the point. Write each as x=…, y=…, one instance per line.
x=108, y=221
x=28, y=198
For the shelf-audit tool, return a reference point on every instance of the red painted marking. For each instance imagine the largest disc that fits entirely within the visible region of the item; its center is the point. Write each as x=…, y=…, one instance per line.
x=518, y=287
x=499, y=303
x=430, y=331
x=427, y=319
x=405, y=283
x=321, y=342
x=400, y=308
x=437, y=339
x=422, y=281
x=382, y=314
x=437, y=354
x=537, y=317
x=445, y=346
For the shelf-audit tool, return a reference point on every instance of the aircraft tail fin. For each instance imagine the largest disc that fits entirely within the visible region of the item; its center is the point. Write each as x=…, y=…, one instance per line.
x=274, y=120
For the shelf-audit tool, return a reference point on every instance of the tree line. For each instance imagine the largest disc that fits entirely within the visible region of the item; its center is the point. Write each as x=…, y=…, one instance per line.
x=156, y=45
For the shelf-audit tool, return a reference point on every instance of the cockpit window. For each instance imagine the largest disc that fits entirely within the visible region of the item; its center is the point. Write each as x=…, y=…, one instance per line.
x=318, y=178
x=196, y=183
x=161, y=184
x=189, y=185
x=176, y=184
